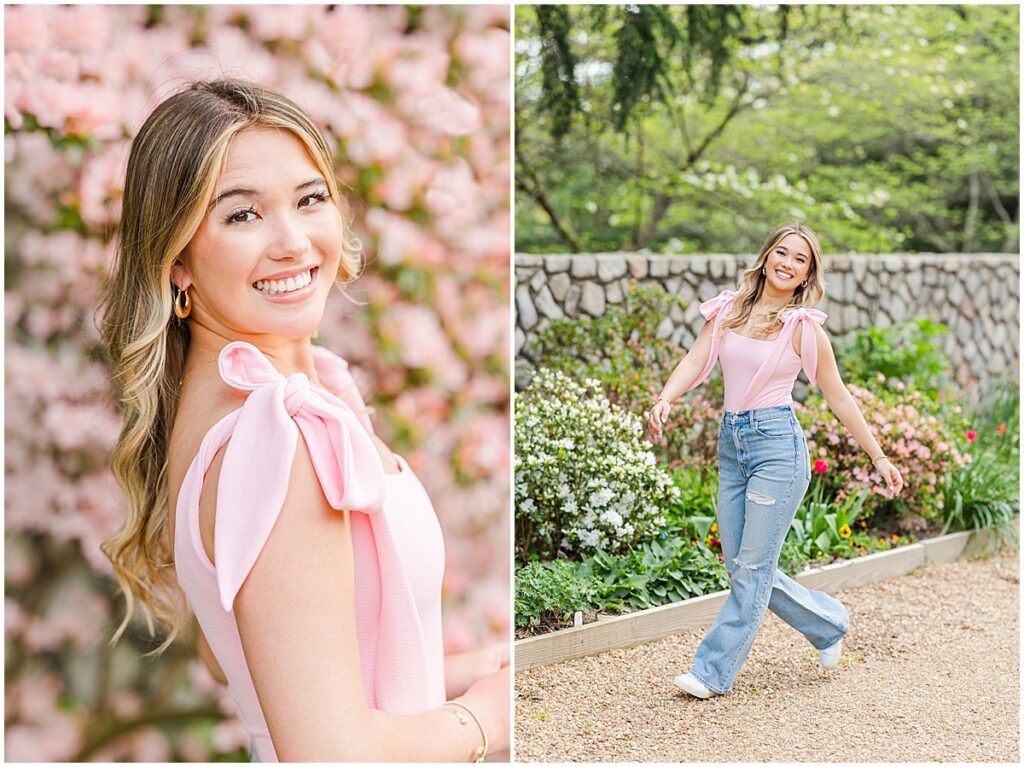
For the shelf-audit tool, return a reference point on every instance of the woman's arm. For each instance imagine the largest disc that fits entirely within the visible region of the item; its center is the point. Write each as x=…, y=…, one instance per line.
x=845, y=407
x=681, y=379
x=296, y=620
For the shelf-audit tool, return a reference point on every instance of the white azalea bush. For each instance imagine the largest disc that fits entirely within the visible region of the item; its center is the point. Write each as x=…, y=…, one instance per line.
x=585, y=478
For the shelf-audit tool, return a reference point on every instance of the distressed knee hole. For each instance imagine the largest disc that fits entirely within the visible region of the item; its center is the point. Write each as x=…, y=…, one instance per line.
x=744, y=565
x=763, y=500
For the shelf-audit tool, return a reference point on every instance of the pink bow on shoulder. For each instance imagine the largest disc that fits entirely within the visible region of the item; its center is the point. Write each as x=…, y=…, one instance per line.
x=804, y=318
x=714, y=309
x=719, y=305
x=258, y=459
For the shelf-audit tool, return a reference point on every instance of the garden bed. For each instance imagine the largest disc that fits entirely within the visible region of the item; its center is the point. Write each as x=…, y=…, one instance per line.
x=616, y=631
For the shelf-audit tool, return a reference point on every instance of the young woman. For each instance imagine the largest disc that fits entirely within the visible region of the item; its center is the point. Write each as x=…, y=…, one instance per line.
x=764, y=332
x=309, y=552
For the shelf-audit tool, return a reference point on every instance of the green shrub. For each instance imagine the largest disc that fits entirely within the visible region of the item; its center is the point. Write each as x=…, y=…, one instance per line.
x=983, y=494
x=549, y=593
x=698, y=495
x=994, y=417
x=877, y=358
x=623, y=351
x=585, y=479
x=621, y=348
x=656, y=572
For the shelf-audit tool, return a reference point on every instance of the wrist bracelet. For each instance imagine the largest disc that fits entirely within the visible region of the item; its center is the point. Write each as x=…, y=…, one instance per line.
x=481, y=751
x=873, y=460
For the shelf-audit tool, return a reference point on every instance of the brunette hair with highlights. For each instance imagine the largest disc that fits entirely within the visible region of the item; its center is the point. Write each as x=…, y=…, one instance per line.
x=172, y=171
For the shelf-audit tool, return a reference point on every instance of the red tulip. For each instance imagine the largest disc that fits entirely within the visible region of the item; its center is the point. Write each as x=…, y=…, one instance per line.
x=820, y=466
x=1001, y=428
x=972, y=435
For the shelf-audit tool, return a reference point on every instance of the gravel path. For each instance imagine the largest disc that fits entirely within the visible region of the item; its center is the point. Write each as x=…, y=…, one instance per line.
x=930, y=672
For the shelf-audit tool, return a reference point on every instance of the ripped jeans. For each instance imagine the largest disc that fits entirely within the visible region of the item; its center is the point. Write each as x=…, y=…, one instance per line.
x=763, y=472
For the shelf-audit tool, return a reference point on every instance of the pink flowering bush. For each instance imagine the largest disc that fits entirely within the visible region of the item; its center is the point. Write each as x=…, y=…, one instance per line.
x=415, y=102
x=921, y=441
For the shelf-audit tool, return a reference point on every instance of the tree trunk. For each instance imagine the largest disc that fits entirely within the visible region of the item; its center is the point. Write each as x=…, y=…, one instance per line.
x=970, y=220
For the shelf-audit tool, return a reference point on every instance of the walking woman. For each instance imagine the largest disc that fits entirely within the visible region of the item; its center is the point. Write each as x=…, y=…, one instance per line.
x=764, y=332
x=308, y=551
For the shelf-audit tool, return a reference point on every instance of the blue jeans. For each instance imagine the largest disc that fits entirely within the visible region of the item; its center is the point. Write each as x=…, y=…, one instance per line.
x=763, y=472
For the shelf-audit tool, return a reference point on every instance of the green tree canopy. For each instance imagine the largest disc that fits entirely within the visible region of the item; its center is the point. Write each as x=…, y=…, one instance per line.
x=699, y=128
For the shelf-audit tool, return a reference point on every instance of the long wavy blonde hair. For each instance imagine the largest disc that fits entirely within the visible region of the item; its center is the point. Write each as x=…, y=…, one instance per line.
x=172, y=170
x=752, y=281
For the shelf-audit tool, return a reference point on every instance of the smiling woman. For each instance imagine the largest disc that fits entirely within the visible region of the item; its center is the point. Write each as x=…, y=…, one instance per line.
x=763, y=461
x=309, y=553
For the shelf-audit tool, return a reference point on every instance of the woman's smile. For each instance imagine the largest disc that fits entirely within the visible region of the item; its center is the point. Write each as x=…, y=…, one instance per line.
x=289, y=287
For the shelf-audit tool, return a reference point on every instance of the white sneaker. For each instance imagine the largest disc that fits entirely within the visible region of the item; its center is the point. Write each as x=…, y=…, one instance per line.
x=689, y=683
x=829, y=657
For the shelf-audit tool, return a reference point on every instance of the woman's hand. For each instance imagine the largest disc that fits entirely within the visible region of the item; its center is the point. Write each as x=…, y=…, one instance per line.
x=891, y=475
x=657, y=416
x=490, y=699
x=462, y=669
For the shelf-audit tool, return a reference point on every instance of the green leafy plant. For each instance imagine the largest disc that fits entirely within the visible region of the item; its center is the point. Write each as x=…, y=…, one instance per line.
x=621, y=348
x=994, y=417
x=697, y=496
x=549, y=593
x=820, y=526
x=669, y=569
x=985, y=494
x=879, y=357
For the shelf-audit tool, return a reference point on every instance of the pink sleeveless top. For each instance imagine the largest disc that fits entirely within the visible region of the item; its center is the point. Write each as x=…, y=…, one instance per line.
x=760, y=373
x=397, y=545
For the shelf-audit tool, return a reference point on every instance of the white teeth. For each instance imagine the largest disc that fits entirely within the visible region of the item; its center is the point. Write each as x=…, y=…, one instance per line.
x=273, y=287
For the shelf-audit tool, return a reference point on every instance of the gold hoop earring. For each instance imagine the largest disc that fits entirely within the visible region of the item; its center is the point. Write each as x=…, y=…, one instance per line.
x=182, y=310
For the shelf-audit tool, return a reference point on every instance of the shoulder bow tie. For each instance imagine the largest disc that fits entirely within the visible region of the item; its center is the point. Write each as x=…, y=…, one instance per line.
x=258, y=459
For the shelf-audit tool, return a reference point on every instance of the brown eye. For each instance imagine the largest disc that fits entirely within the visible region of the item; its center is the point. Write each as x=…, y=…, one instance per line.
x=238, y=216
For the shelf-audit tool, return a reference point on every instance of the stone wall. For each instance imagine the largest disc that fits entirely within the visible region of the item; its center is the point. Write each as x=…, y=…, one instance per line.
x=977, y=296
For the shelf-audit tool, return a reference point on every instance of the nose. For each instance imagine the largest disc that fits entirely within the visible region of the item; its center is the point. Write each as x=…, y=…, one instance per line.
x=290, y=240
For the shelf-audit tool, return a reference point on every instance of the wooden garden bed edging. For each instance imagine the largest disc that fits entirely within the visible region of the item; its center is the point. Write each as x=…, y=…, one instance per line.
x=642, y=626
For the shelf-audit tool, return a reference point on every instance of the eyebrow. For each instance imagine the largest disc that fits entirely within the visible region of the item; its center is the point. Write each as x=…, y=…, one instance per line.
x=237, y=191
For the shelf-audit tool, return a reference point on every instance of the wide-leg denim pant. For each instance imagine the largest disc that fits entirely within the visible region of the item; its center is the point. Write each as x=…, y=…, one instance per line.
x=763, y=472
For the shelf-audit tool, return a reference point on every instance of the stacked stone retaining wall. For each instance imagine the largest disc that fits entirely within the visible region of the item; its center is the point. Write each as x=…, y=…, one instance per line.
x=977, y=296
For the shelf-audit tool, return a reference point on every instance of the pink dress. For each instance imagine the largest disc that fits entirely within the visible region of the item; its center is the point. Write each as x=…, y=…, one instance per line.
x=397, y=545
x=760, y=373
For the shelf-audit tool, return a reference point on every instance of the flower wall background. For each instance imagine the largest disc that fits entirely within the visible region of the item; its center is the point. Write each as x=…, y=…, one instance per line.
x=416, y=103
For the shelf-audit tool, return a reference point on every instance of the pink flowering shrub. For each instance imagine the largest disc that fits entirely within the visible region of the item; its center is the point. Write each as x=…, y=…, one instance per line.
x=922, y=442
x=415, y=103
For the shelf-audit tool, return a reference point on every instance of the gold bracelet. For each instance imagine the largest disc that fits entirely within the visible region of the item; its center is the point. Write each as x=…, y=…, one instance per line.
x=883, y=455
x=481, y=751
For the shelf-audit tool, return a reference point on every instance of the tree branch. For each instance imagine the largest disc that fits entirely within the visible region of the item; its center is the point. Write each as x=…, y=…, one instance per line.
x=536, y=192
x=116, y=728
x=663, y=200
